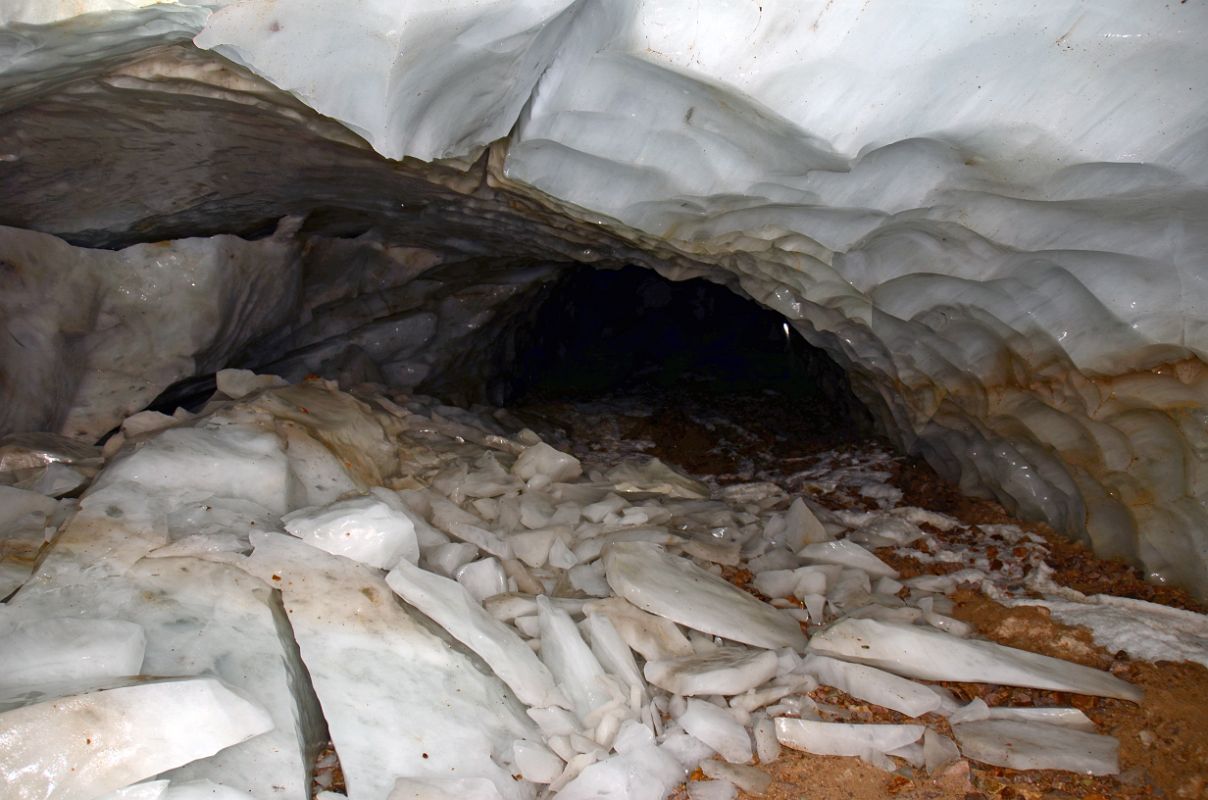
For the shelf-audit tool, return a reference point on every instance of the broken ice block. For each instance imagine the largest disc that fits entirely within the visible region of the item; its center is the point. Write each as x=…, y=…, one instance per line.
x=68, y=650
x=656, y=477
x=544, y=462
x=653, y=637
x=89, y=744
x=364, y=529
x=571, y=661
x=725, y=671
x=847, y=554
x=716, y=727
x=391, y=690
x=929, y=654
x=876, y=686
x=750, y=779
x=844, y=738
x=1036, y=745
x=677, y=589
x=449, y=605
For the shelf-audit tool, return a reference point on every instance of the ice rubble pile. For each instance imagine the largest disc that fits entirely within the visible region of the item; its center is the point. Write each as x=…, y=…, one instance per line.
x=470, y=614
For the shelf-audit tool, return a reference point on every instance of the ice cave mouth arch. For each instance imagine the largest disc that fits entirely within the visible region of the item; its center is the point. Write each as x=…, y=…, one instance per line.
x=1010, y=272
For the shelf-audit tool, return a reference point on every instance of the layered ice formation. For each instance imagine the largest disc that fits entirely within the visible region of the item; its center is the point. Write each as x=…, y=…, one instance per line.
x=151, y=656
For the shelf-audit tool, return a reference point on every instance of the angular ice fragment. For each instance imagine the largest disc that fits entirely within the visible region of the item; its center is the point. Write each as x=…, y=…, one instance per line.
x=532, y=547
x=1065, y=717
x=536, y=762
x=801, y=527
x=929, y=654
x=547, y=464
x=653, y=637
x=239, y=383
x=776, y=582
x=717, y=728
x=767, y=745
x=89, y=744
x=483, y=578
x=450, y=557
x=644, y=772
x=726, y=671
x=364, y=529
x=844, y=738
x=391, y=690
x=751, y=780
x=938, y=751
x=570, y=660
x=68, y=650
x=677, y=589
x=449, y=605
x=876, y=686
x=614, y=655
x=656, y=477
x=1035, y=745
x=711, y=790
x=847, y=554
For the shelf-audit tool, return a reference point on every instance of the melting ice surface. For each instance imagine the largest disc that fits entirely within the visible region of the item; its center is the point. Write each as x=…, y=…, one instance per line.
x=238, y=662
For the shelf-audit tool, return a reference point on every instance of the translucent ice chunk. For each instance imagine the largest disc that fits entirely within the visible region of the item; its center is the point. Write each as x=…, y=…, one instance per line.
x=677, y=589
x=711, y=790
x=844, y=738
x=653, y=637
x=550, y=464
x=847, y=554
x=1036, y=745
x=449, y=605
x=938, y=751
x=571, y=661
x=483, y=578
x=93, y=743
x=750, y=779
x=801, y=527
x=536, y=762
x=929, y=654
x=364, y=529
x=68, y=650
x=716, y=727
x=656, y=477
x=725, y=671
x=874, y=685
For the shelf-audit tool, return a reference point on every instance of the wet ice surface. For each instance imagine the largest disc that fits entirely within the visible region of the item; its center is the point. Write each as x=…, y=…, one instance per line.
x=474, y=613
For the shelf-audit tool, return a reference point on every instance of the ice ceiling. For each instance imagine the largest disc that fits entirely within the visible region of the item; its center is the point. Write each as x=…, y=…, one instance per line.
x=993, y=215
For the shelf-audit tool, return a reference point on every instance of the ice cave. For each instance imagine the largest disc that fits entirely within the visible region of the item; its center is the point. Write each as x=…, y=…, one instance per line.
x=627, y=399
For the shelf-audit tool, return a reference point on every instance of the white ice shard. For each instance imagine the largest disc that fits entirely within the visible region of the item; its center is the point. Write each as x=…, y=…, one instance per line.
x=717, y=727
x=68, y=650
x=398, y=700
x=536, y=762
x=652, y=636
x=85, y=745
x=571, y=661
x=847, y=554
x=874, y=685
x=725, y=671
x=364, y=529
x=844, y=738
x=655, y=476
x=929, y=654
x=673, y=587
x=550, y=465
x=640, y=770
x=750, y=779
x=449, y=605
x=1036, y=745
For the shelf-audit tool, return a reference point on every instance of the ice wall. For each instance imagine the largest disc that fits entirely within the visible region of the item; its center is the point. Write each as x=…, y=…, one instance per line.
x=995, y=216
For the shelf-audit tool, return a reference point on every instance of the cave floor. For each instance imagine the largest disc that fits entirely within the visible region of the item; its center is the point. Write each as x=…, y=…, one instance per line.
x=714, y=437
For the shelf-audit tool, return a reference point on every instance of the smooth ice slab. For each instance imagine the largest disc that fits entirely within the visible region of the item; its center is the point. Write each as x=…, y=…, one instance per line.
x=844, y=738
x=725, y=671
x=364, y=529
x=929, y=654
x=86, y=745
x=549, y=465
x=1036, y=745
x=672, y=587
x=847, y=554
x=874, y=685
x=400, y=702
x=716, y=727
x=571, y=661
x=68, y=650
x=450, y=606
